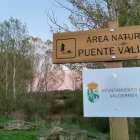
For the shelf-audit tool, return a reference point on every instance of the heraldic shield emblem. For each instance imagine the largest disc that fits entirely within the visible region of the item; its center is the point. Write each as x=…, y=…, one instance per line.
x=93, y=93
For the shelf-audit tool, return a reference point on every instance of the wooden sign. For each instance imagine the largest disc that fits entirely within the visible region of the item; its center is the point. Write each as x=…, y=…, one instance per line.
x=121, y=43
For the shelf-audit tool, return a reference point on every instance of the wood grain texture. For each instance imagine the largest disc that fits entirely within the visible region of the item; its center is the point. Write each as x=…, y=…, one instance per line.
x=118, y=129
x=100, y=47
x=118, y=126
x=117, y=64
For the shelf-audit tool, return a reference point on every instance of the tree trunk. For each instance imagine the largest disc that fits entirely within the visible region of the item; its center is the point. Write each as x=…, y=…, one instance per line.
x=14, y=75
x=6, y=74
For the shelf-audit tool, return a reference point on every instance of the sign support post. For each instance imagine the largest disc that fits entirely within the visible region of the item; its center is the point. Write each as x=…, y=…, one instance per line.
x=110, y=45
x=118, y=126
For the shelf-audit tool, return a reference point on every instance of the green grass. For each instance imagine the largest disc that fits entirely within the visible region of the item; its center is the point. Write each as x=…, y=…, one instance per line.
x=18, y=135
x=21, y=135
x=3, y=120
x=32, y=134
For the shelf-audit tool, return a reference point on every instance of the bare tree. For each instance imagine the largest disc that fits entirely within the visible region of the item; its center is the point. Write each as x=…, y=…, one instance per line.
x=48, y=76
x=75, y=79
x=14, y=44
x=90, y=14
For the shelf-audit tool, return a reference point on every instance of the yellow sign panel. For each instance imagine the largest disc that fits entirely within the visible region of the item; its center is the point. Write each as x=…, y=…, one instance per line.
x=121, y=43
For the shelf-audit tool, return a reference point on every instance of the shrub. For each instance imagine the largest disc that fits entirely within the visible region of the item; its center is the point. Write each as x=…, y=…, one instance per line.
x=74, y=102
x=101, y=124
x=29, y=107
x=56, y=108
x=7, y=105
x=72, y=119
x=69, y=105
x=42, y=110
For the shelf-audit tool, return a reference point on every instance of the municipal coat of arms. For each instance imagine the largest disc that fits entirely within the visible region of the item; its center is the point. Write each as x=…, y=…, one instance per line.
x=93, y=94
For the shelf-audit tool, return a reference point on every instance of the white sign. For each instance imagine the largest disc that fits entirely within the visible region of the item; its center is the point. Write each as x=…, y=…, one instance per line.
x=111, y=92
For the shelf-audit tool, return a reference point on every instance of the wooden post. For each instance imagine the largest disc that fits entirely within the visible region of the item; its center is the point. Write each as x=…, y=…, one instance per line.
x=118, y=126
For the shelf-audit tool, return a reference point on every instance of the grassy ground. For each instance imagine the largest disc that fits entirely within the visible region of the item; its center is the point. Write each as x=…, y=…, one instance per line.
x=32, y=134
x=21, y=135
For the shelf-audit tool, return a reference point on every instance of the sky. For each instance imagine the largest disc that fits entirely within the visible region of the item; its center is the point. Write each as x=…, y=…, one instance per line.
x=32, y=12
